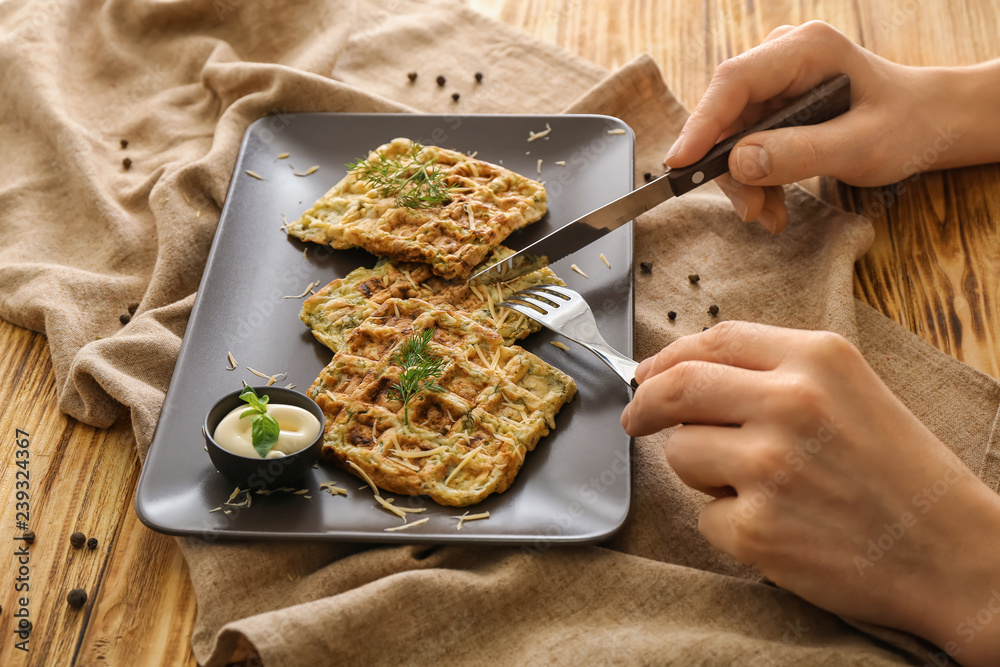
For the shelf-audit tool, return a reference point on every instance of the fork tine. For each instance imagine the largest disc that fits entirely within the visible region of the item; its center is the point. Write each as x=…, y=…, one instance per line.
x=571, y=316
x=546, y=290
x=559, y=291
x=529, y=310
x=529, y=297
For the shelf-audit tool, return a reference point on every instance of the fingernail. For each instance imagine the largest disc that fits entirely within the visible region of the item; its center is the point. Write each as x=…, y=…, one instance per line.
x=625, y=416
x=675, y=149
x=768, y=221
x=739, y=203
x=643, y=368
x=752, y=162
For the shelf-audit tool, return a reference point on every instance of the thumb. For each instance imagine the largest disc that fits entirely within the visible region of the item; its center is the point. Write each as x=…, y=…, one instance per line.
x=787, y=155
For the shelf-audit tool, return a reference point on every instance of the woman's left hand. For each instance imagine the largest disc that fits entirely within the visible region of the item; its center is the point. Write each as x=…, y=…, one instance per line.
x=823, y=479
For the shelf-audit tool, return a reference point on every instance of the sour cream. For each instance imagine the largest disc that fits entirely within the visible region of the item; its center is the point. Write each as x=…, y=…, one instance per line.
x=299, y=429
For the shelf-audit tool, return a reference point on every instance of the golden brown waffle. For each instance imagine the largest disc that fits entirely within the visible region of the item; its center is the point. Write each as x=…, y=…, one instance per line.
x=332, y=312
x=462, y=443
x=486, y=203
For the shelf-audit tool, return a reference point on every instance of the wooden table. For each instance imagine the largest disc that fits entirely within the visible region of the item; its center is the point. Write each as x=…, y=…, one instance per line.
x=935, y=268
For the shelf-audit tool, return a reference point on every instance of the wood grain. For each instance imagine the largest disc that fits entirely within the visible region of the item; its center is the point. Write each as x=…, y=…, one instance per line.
x=82, y=479
x=934, y=267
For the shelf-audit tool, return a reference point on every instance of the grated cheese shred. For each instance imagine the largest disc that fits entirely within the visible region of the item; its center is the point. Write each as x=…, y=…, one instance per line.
x=407, y=510
x=538, y=135
x=461, y=464
x=420, y=453
x=405, y=464
x=365, y=477
x=470, y=517
x=309, y=287
x=389, y=506
x=407, y=525
x=410, y=278
x=489, y=302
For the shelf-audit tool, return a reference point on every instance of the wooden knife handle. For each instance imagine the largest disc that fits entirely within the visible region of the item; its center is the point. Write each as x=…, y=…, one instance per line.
x=827, y=100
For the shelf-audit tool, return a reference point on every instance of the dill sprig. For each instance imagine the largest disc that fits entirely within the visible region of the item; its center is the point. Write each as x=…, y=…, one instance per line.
x=421, y=370
x=414, y=184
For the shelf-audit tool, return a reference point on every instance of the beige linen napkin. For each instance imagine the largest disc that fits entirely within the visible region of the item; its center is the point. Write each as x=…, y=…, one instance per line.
x=82, y=236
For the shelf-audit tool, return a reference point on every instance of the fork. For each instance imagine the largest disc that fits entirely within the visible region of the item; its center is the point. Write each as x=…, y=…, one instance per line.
x=567, y=313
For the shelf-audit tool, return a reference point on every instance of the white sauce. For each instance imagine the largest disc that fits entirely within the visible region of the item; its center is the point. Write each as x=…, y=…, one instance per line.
x=299, y=429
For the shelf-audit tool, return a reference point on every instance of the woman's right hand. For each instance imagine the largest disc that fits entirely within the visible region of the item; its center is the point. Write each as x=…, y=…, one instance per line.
x=897, y=113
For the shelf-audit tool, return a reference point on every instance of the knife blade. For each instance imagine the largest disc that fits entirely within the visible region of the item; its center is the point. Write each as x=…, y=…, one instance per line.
x=821, y=103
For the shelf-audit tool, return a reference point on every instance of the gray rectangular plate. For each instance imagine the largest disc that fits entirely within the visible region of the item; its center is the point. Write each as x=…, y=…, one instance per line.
x=573, y=488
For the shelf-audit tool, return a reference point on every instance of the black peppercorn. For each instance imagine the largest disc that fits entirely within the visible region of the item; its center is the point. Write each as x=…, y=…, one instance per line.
x=124, y=143
x=124, y=318
x=672, y=315
x=479, y=77
x=647, y=267
x=648, y=176
x=28, y=536
x=441, y=80
x=77, y=540
x=694, y=278
x=92, y=543
x=713, y=309
x=455, y=96
x=412, y=76
x=76, y=598
x=132, y=307
x=127, y=163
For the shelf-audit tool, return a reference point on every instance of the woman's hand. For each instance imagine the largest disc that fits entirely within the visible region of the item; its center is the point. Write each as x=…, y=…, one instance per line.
x=825, y=482
x=902, y=120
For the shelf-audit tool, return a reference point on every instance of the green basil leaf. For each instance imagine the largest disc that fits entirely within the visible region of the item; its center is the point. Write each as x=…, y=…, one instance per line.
x=250, y=396
x=265, y=433
x=248, y=412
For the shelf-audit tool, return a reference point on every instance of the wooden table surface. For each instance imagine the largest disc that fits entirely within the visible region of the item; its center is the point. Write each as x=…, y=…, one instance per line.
x=934, y=268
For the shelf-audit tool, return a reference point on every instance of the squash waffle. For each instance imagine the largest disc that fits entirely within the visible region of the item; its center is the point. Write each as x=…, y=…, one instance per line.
x=483, y=204
x=332, y=312
x=461, y=443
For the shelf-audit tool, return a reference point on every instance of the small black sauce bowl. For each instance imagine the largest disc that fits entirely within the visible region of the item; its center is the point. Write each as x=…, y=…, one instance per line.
x=254, y=473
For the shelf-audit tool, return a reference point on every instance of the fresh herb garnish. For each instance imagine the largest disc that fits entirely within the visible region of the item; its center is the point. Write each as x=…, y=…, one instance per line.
x=413, y=183
x=421, y=370
x=265, y=429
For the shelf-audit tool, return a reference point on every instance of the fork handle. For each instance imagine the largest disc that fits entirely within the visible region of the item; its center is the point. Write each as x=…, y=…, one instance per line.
x=619, y=363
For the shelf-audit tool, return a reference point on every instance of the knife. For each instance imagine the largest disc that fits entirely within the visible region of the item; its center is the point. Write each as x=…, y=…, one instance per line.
x=825, y=101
